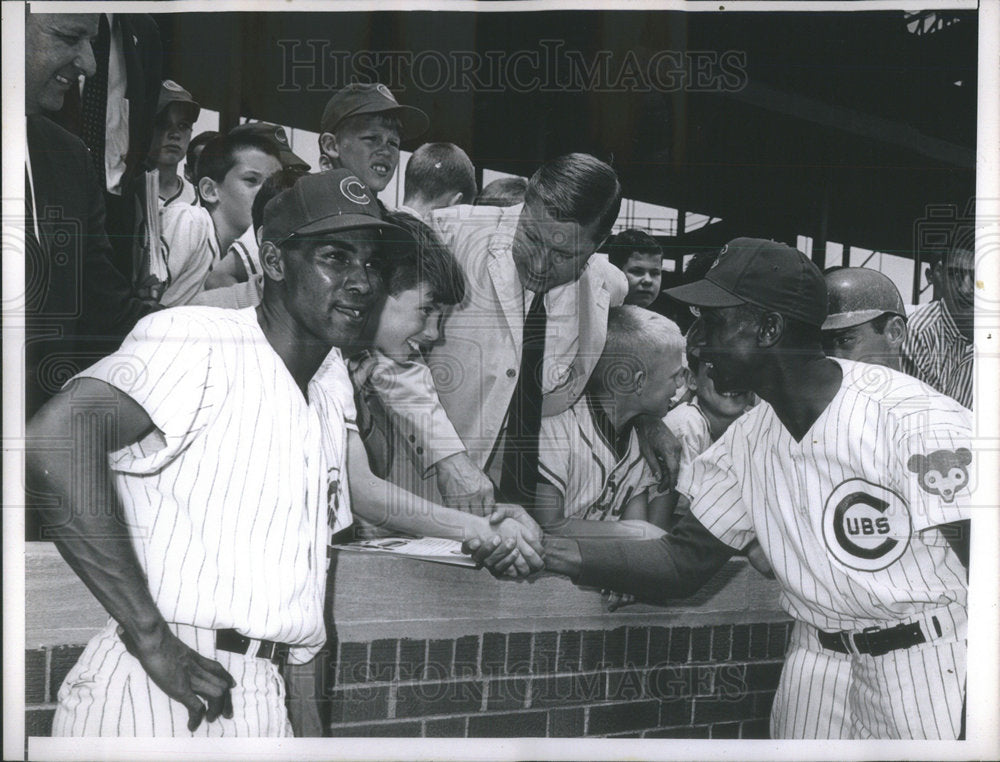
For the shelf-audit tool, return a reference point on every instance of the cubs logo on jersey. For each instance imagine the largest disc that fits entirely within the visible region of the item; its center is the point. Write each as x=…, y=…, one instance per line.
x=943, y=472
x=865, y=526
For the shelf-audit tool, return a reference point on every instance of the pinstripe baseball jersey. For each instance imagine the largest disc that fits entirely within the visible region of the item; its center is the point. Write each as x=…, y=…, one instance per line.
x=937, y=353
x=596, y=472
x=227, y=498
x=188, y=235
x=848, y=516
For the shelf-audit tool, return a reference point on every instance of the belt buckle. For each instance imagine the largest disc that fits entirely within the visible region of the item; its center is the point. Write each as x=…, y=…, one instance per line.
x=865, y=633
x=266, y=650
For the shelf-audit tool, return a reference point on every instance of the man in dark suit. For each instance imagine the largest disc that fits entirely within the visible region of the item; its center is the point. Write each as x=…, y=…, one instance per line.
x=114, y=117
x=78, y=306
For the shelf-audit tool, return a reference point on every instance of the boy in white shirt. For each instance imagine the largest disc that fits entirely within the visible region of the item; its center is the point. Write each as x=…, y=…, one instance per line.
x=176, y=112
x=231, y=170
x=240, y=262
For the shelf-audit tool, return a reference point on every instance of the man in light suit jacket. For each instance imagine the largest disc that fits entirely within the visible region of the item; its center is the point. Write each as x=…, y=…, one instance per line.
x=509, y=255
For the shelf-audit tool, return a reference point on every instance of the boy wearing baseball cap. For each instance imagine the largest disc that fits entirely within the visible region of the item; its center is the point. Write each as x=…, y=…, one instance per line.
x=866, y=320
x=176, y=113
x=361, y=130
x=277, y=135
x=857, y=492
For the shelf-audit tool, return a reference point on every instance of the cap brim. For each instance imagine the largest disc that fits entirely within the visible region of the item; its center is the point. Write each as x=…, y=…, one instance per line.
x=337, y=222
x=412, y=121
x=191, y=107
x=704, y=293
x=289, y=159
x=851, y=319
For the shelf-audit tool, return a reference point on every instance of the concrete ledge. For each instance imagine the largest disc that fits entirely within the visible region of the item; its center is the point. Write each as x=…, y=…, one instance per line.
x=385, y=597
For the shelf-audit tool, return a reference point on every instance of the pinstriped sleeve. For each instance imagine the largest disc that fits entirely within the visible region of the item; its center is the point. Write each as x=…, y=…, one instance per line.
x=165, y=365
x=717, y=499
x=937, y=468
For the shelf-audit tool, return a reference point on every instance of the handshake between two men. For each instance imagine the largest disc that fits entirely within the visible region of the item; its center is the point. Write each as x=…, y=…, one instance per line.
x=517, y=548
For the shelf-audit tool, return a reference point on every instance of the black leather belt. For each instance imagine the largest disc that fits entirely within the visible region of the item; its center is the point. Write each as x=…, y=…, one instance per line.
x=873, y=641
x=234, y=642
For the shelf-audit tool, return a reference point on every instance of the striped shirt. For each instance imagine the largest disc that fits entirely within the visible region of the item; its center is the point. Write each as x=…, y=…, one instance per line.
x=848, y=516
x=937, y=353
x=596, y=472
x=227, y=498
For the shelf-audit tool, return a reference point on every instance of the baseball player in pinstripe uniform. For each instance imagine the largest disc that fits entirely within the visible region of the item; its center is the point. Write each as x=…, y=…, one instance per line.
x=226, y=457
x=858, y=495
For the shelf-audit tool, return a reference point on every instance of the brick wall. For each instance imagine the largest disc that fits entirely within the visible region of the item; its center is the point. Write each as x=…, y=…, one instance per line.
x=630, y=682
x=535, y=659
x=44, y=670
x=639, y=682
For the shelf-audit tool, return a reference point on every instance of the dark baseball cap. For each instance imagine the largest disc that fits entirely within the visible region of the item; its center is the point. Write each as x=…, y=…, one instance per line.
x=324, y=203
x=359, y=98
x=768, y=274
x=171, y=92
x=859, y=294
x=276, y=134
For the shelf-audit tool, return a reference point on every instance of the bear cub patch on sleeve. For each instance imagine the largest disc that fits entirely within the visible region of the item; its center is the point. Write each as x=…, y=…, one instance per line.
x=943, y=472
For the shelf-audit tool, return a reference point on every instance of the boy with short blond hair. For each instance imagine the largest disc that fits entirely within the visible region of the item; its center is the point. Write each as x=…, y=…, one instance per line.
x=590, y=466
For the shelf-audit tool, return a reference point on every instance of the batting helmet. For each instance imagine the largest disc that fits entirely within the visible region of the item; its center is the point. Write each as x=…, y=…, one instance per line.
x=859, y=294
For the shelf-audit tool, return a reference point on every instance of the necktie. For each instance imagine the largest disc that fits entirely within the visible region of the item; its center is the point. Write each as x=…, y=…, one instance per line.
x=524, y=416
x=94, y=103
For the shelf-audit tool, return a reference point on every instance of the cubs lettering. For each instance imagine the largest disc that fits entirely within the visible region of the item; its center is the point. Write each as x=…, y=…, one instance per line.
x=865, y=526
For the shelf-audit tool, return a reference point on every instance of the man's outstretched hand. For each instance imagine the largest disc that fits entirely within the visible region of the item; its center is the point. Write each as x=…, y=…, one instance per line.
x=183, y=674
x=516, y=548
